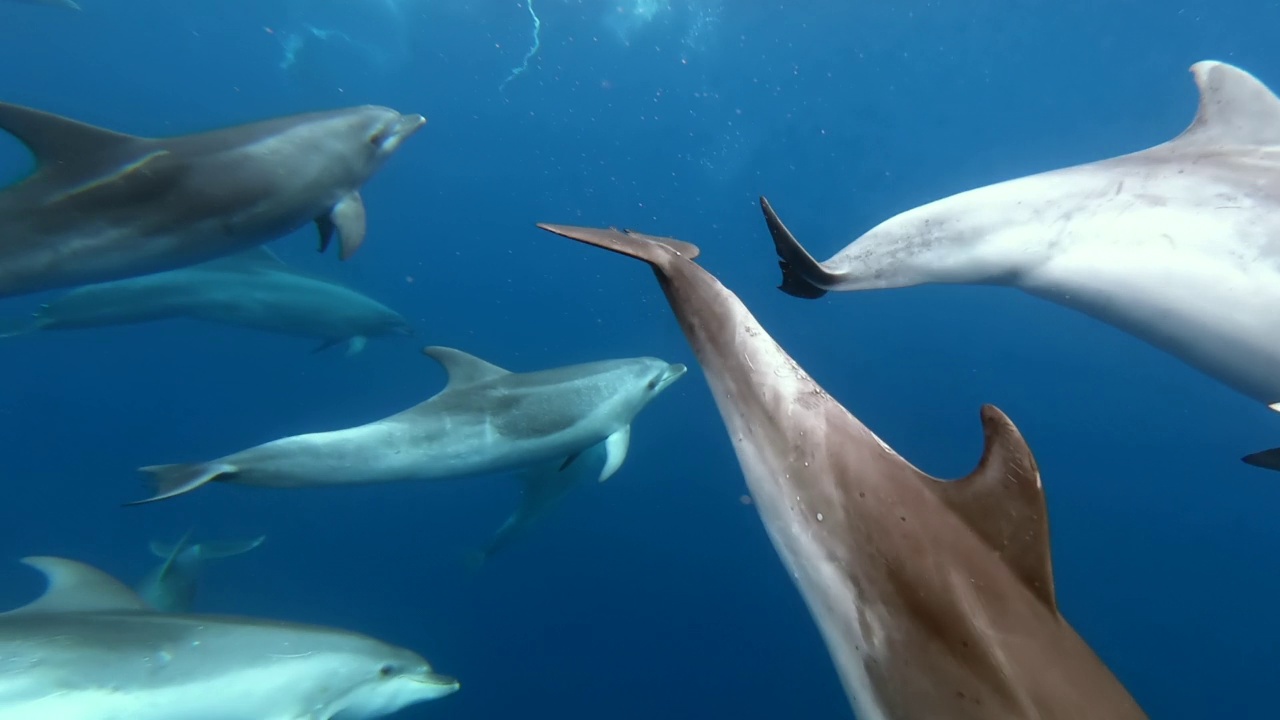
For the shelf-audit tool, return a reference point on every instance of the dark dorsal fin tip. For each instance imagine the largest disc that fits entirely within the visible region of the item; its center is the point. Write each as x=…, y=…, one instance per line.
x=1003, y=502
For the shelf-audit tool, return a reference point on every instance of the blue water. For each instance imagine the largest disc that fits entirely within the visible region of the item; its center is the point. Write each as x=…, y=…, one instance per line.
x=656, y=593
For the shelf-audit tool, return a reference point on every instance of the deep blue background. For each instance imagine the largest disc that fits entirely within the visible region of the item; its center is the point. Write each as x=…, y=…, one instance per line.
x=657, y=593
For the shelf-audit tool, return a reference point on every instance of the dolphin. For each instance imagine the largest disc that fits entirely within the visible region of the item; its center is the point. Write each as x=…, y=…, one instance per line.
x=90, y=648
x=102, y=205
x=251, y=288
x=542, y=486
x=936, y=599
x=171, y=586
x=485, y=420
x=1178, y=244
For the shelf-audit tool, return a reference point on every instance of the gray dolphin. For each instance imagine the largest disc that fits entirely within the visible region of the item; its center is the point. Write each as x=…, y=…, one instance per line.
x=251, y=289
x=485, y=420
x=1178, y=245
x=542, y=486
x=935, y=599
x=171, y=585
x=68, y=4
x=102, y=205
x=90, y=648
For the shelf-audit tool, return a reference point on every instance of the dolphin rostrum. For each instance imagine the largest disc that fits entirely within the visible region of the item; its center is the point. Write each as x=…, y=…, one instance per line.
x=935, y=599
x=102, y=205
x=251, y=288
x=171, y=585
x=485, y=420
x=1178, y=245
x=90, y=648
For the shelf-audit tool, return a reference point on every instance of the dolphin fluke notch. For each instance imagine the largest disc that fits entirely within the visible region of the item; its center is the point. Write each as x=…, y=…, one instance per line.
x=797, y=265
x=1003, y=502
x=173, y=480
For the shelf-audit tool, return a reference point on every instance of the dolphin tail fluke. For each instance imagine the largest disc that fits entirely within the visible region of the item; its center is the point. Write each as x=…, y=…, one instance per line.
x=799, y=269
x=1266, y=459
x=651, y=249
x=173, y=480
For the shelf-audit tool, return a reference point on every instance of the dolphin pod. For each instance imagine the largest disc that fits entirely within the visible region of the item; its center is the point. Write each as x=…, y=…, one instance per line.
x=102, y=205
x=935, y=599
x=1178, y=245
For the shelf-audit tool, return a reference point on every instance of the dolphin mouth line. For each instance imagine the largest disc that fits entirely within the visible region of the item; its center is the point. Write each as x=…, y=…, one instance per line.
x=437, y=680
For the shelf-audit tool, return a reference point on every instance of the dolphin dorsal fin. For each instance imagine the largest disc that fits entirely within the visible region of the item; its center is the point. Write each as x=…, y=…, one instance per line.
x=1002, y=501
x=54, y=139
x=1235, y=108
x=463, y=369
x=77, y=587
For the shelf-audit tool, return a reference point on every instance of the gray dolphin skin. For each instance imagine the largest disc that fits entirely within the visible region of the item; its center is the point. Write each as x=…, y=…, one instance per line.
x=935, y=599
x=1178, y=245
x=171, y=585
x=90, y=648
x=251, y=289
x=103, y=206
x=485, y=420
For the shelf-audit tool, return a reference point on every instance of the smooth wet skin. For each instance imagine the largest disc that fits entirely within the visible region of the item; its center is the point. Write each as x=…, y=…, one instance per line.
x=91, y=649
x=486, y=420
x=936, y=599
x=103, y=206
x=1178, y=245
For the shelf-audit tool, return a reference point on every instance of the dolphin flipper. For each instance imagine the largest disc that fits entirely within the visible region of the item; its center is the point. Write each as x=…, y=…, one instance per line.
x=799, y=269
x=348, y=219
x=615, y=447
x=173, y=480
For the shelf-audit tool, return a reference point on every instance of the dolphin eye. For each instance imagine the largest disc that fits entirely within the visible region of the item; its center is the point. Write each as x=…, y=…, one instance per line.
x=387, y=671
x=379, y=137
x=653, y=384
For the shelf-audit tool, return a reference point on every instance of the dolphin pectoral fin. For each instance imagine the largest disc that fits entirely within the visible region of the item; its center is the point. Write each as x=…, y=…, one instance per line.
x=348, y=218
x=13, y=327
x=1002, y=502
x=801, y=274
x=1265, y=459
x=356, y=344
x=615, y=448
x=324, y=224
x=326, y=344
x=173, y=480
x=569, y=460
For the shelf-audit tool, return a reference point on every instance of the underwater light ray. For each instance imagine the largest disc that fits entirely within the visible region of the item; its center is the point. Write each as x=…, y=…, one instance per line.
x=537, y=42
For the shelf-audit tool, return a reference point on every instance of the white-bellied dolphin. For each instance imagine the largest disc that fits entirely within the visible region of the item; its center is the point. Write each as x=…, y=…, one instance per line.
x=251, y=288
x=171, y=585
x=1178, y=245
x=90, y=648
x=485, y=420
x=935, y=599
x=102, y=205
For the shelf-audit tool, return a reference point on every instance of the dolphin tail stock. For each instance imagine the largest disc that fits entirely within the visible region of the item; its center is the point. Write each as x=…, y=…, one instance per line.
x=173, y=480
x=802, y=276
x=1265, y=459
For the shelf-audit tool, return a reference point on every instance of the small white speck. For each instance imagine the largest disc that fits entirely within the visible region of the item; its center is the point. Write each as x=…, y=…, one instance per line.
x=819, y=517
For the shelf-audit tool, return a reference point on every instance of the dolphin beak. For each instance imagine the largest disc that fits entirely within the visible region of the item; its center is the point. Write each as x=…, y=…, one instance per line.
x=674, y=373
x=444, y=682
x=405, y=127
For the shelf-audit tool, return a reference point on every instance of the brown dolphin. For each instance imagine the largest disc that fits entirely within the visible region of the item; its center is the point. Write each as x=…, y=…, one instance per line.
x=935, y=599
